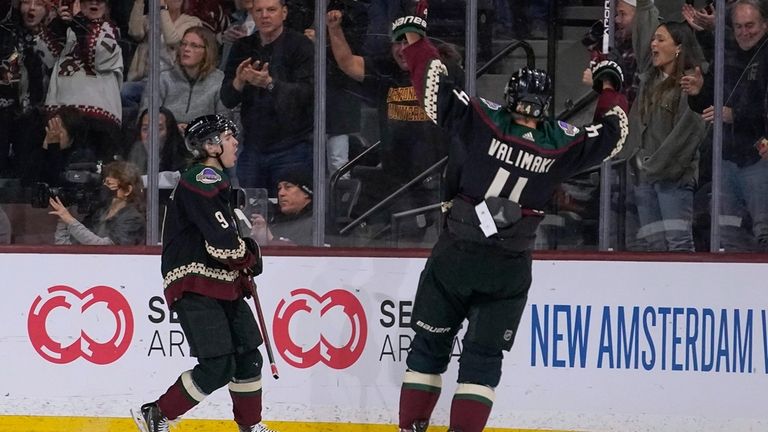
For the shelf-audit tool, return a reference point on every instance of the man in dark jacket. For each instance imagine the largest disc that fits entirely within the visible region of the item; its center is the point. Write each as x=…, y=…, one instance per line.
x=270, y=74
x=290, y=221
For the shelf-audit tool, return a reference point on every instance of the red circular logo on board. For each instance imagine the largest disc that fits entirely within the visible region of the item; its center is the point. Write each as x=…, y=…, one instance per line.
x=339, y=344
x=66, y=324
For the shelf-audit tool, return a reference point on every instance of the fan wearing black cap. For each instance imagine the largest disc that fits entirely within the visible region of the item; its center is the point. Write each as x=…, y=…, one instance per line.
x=505, y=162
x=292, y=221
x=206, y=267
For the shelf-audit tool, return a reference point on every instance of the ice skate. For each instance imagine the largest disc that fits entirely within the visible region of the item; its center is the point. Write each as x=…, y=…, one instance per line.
x=148, y=418
x=258, y=427
x=418, y=426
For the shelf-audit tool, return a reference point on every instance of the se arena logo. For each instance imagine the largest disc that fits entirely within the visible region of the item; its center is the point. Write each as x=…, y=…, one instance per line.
x=65, y=324
x=310, y=328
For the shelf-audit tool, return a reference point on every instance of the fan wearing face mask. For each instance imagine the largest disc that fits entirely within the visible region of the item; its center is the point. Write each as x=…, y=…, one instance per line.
x=118, y=218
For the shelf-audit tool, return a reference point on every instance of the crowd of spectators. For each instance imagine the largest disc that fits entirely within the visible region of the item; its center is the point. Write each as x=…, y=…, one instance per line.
x=669, y=72
x=74, y=96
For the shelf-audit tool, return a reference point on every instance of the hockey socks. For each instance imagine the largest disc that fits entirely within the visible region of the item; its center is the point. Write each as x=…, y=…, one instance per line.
x=181, y=397
x=418, y=397
x=471, y=407
x=246, y=400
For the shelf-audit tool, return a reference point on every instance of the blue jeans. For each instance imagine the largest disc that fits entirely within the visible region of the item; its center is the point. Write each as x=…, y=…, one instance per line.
x=337, y=149
x=256, y=169
x=665, y=211
x=132, y=92
x=744, y=192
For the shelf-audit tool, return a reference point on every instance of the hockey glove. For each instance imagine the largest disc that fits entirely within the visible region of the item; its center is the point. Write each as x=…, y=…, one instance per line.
x=606, y=70
x=594, y=36
x=258, y=266
x=412, y=18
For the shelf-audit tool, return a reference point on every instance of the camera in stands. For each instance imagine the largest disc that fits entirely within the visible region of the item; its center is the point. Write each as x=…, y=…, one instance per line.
x=80, y=187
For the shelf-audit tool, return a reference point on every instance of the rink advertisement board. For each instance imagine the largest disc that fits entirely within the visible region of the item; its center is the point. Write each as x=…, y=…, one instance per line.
x=624, y=346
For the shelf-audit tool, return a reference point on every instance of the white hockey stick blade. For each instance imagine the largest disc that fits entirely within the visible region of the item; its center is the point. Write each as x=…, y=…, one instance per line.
x=241, y=217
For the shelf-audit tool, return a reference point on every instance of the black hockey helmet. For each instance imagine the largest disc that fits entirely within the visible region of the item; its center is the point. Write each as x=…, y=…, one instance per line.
x=207, y=129
x=529, y=92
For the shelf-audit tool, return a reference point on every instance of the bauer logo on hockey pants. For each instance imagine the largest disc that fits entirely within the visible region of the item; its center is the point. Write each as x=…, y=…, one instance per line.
x=65, y=324
x=310, y=328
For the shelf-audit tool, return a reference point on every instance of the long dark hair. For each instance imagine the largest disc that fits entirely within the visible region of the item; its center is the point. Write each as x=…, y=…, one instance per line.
x=173, y=154
x=73, y=121
x=689, y=57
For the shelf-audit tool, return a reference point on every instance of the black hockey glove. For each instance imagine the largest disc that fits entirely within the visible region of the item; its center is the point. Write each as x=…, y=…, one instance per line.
x=254, y=248
x=594, y=36
x=411, y=18
x=606, y=69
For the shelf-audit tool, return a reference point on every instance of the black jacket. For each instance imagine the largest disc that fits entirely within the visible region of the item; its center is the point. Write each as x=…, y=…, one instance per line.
x=279, y=119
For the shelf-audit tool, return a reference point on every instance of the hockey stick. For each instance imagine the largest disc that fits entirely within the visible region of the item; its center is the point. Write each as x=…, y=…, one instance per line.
x=244, y=227
x=605, y=167
x=263, y=328
x=607, y=30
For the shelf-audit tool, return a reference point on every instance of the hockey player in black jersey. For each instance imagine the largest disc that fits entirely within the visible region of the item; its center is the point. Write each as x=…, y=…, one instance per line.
x=206, y=267
x=505, y=168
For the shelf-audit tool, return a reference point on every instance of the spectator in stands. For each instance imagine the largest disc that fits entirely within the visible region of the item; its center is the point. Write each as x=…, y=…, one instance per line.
x=211, y=13
x=174, y=155
x=664, y=134
x=271, y=75
x=301, y=14
x=191, y=88
x=9, y=78
x=410, y=142
x=119, y=219
x=744, y=178
x=81, y=46
x=241, y=24
x=291, y=222
x=120, y=14
x=23, y=84
x=174, y=22
x=702, y=20
x=343, y=113
x=66, y=142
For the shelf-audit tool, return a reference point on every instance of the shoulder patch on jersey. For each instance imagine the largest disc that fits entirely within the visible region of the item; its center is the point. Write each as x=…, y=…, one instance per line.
x=208, y=176
x=568, y=129
x=490, y=104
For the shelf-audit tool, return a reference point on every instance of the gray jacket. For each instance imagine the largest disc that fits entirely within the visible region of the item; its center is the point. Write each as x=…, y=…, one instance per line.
x=126, y=227
x=187, y=99
x=665, y=145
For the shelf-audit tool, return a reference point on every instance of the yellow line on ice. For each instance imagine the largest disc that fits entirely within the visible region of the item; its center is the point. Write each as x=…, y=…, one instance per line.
x=116, y=424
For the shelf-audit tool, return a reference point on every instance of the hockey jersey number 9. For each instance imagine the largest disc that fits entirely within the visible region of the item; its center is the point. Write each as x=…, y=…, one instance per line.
x=202, y=249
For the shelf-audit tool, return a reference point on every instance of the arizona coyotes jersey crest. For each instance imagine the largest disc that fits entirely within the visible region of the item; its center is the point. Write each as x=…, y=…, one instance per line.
x=500, y=157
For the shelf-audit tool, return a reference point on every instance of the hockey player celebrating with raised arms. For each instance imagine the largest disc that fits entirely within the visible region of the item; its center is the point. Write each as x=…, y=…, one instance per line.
x=505, y=166
x=206, y=268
